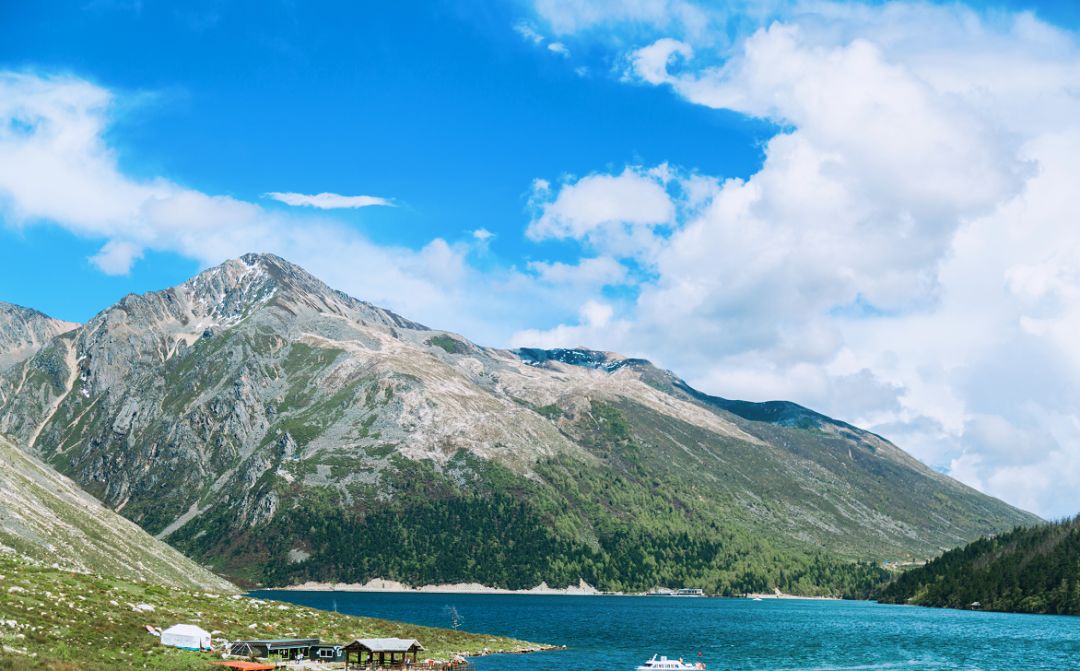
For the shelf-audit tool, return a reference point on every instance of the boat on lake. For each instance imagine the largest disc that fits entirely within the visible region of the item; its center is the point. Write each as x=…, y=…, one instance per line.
x=658, y=663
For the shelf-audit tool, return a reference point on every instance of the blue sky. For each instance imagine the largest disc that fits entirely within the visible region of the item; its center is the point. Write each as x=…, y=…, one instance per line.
x=439, y=106
x=867, y=208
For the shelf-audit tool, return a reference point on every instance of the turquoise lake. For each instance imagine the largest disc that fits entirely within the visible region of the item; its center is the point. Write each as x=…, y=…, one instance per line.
x=618, y=633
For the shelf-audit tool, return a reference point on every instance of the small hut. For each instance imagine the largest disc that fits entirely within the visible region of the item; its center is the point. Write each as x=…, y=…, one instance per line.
x=381, y=653
x=186, y=636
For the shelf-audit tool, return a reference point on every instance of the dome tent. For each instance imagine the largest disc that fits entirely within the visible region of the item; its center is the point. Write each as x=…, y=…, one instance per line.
x=186, y=636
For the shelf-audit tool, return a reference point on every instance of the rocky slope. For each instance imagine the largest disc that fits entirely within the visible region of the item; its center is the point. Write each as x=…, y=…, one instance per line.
x=284, y=431
x=24, y=331
x=47, y=519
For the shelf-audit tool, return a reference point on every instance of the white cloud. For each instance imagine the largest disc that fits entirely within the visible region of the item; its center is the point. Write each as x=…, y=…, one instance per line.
x=116, y=257
x=571, y=16
x=593, y=317
x=559, y=48
x=906, y=256
x=617, y=214
x=528, y=33
x=328, y=201
x=589, y=273
x=651, y=63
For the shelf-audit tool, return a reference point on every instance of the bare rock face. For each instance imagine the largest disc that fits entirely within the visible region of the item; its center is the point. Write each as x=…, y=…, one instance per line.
x=258, y=419
x=24, y=331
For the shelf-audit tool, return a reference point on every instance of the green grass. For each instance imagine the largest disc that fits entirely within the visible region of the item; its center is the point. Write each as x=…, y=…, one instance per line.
x=448, y=344
x=63, y=621
x=551, y=411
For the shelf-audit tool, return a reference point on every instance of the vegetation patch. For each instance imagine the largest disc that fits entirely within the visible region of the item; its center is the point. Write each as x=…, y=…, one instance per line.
x=448, y=344
x=1027, y=570
x=60, y=621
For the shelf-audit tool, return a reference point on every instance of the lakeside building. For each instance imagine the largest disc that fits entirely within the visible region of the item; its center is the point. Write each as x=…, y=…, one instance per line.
x=381, y=653
x=285, y=648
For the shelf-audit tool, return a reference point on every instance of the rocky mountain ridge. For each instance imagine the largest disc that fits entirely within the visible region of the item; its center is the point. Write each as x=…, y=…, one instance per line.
x=23, y=331
x=254, y=417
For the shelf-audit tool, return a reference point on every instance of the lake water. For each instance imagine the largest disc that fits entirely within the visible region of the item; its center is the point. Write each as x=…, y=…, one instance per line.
x=618, y=633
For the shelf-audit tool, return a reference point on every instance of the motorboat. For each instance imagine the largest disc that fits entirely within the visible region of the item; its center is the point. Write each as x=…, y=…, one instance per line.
x=659, y=663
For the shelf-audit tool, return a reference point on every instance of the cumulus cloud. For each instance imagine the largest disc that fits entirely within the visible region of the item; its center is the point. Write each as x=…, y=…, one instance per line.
x=905, y=256
x=593, y=316
x=116, y=257
x=617, y=214
x=328, y=201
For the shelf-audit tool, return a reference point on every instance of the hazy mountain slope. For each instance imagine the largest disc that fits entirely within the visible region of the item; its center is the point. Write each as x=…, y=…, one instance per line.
x=24, y=331
x=282, y=430
x=46, y=518
x=1027, y=570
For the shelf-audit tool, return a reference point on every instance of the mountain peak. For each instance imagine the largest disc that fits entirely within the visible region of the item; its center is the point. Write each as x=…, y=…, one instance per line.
x=23, y=331
x=237, y=287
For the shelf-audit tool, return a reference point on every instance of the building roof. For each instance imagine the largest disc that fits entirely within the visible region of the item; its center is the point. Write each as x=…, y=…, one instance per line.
x=386, y=644
x=186, y=630
x=279, y=643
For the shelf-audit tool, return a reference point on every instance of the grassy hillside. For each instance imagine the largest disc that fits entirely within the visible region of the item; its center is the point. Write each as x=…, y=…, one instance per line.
x=46, y=518
x=1028, y=570
x=61, y=621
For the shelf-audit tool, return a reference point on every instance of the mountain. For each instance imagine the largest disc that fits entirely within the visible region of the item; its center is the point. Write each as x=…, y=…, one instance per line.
x=24, y=331
x=47, y=519
x=282, y=431
x=1027, y=570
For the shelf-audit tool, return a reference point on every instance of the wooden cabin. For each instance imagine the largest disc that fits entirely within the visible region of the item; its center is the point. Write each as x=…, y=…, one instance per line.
x=381, y=653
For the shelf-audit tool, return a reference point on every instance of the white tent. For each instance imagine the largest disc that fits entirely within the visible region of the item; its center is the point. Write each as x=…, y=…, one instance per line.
x=186, y=636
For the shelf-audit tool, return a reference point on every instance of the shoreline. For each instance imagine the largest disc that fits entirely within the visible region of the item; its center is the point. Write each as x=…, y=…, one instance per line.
x=382, y=585
x=581, y=589
x=792, y=597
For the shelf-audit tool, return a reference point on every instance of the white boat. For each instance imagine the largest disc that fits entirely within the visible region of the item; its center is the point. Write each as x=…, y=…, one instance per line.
x=689, y=591
x=658, y=663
